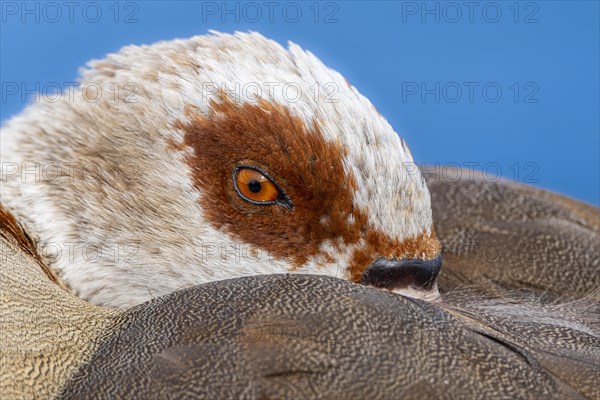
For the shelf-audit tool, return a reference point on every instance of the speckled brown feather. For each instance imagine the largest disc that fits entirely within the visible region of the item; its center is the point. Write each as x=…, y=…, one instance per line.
x=46, y=333
x=300, y=336
x=515, y=236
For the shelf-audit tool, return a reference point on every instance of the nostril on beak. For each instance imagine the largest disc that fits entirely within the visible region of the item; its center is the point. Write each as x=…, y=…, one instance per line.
x=394, y=274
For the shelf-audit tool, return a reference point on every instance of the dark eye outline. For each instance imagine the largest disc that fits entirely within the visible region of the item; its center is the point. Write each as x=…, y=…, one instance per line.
x=282, y=198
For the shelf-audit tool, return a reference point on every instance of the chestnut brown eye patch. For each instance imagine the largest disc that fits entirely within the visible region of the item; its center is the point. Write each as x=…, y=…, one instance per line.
x=256, y=186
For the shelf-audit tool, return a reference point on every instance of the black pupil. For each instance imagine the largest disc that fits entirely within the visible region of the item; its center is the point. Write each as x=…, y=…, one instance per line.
x=254, y=186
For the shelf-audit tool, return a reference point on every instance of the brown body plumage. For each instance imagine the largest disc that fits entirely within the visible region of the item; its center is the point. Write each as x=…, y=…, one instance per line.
x=504, y=329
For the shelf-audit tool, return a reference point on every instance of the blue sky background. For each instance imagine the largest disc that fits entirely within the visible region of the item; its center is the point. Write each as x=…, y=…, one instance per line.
x=544, y=128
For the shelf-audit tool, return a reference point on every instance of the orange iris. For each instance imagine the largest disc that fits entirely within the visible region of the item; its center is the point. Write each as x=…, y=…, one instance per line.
x=255, y=186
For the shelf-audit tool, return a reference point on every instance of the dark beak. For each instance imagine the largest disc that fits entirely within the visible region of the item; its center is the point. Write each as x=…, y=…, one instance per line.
x=398, y=274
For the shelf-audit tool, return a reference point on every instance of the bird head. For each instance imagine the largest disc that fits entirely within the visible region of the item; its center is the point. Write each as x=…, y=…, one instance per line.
x=216, y=157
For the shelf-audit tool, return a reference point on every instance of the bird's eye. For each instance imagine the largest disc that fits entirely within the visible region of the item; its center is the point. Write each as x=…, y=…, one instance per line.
x=252, y=185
